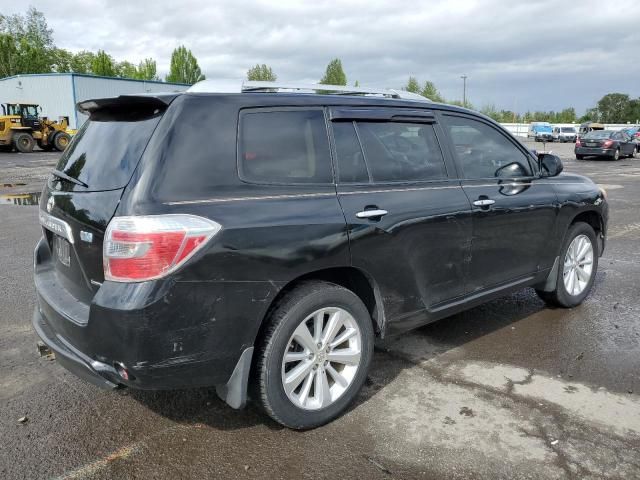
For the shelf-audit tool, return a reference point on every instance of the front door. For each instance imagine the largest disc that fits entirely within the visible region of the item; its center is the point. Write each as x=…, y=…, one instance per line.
x=514, y=210
x=407, y=215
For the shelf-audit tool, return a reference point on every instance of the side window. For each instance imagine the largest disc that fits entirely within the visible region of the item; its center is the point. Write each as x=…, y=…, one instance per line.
x=288, y=146
x=483, y=152
x=351, y=166
x=396, y=151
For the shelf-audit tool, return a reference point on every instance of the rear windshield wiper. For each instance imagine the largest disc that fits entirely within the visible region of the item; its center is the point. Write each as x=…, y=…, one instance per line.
x=66, y=177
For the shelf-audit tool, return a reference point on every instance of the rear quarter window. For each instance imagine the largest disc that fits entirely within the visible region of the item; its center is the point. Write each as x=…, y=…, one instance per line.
x=283, y=146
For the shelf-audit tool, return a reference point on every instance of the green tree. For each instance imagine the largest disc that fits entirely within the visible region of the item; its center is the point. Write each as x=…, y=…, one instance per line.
x=82, y=62
x=32, y=50
x=8, y=56
x=412, y=85
x=147, y=70
x=184, y=67
x=356, y=83
x=612, y=107
x=103, y=64
x=261, y=73
x=633, y=111
x=61, y=60
x=431, y=92
x=334, y=74
x=126, y=69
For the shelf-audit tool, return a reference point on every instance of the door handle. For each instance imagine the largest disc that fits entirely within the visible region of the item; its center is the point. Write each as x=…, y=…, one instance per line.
x=371, y=213
x=484, y=202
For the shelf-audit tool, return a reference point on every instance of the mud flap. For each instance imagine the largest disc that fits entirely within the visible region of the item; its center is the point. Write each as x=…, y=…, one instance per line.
x=234, y=392
x=552, y=279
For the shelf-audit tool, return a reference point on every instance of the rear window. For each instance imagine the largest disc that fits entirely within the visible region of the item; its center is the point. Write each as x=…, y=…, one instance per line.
x=104, y=154
x=568, y=130
x=285, y=146
x=599, y=134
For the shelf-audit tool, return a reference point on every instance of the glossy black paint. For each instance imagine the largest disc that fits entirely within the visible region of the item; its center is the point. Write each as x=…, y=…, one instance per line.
x=432, y=255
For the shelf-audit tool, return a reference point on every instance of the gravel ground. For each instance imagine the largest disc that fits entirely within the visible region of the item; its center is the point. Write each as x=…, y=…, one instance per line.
x=511, y=389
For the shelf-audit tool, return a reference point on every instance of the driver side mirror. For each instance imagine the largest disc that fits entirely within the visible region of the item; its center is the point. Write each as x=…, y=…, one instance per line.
x=550, y=165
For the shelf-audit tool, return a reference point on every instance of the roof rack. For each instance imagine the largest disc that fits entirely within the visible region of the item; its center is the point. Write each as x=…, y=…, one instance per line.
x=256, y=86
x=231, y=86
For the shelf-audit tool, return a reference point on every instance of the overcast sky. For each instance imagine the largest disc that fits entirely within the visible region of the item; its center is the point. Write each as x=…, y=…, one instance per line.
x=522, y=55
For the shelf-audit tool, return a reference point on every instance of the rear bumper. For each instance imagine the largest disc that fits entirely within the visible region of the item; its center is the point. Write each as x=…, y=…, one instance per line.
x=92, y=371
x=597, y=152
x=166, y=334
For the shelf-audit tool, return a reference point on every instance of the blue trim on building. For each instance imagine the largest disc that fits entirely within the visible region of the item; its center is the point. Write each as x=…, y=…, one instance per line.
x=73, y=92
x=93, y=76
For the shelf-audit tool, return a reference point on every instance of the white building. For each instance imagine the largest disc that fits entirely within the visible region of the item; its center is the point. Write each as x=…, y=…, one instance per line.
x=58, y=93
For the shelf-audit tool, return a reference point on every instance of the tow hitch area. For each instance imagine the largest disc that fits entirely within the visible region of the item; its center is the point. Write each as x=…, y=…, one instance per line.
x=45, y=351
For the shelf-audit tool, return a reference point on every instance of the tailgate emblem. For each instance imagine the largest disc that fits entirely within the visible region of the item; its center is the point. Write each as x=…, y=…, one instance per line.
x=50, y=203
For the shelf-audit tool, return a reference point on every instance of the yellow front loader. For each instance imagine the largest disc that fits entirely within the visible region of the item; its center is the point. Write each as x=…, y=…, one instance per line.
x=21, y=128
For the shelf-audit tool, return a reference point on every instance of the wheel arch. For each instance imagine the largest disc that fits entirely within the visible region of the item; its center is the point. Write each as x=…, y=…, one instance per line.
x=349, y=277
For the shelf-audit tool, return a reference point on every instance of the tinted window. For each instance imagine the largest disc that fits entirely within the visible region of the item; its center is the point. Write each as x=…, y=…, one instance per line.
x=397, y=151
x=568, y=130
x=284, y=147
x=482, y=151
x=599, y=134
x=351, y=166
x=103, y=154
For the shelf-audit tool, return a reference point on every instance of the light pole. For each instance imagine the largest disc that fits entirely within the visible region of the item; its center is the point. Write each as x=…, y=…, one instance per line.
x=464, y=90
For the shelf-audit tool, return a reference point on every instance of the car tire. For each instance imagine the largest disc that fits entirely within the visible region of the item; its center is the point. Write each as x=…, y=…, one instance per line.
x=291, y=330
x=567, y=294
x=579, y=157
x=24, y=142
x=616, y=155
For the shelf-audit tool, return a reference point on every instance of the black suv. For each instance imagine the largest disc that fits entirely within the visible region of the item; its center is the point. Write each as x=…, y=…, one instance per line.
x=261, y=241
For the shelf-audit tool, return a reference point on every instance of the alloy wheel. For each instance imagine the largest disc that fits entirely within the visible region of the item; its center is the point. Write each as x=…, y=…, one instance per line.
x=578, y=265
x=321, y=358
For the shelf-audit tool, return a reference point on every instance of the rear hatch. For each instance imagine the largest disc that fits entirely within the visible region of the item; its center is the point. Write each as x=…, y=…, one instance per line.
x=83, y=192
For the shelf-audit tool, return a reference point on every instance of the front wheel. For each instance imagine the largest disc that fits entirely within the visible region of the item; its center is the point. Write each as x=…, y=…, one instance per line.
x=314, y=355
x=61, y=141
x=577, y=270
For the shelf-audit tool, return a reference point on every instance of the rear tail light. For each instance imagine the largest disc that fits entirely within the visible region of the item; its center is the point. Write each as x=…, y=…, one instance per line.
x=578, y=144
x=607, y=143
x=143, y=248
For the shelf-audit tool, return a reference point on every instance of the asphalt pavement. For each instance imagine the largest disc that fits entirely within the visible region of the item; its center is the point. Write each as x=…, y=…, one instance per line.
x=511, y=389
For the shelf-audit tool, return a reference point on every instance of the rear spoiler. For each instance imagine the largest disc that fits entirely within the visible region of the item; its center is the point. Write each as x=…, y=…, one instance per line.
x=126, y=105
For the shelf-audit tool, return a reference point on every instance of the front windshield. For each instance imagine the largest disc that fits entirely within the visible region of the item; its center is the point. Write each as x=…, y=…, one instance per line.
x=599, y=134
x=30, y=111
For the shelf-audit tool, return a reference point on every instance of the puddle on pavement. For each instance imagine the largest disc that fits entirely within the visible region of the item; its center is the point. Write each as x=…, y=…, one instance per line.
x=23, y=199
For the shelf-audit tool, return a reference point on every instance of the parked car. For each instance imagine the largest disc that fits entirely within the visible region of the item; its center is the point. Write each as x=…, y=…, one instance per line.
x=540, y=131
x=605, y=143
x=634, y=133
x=564, y=134
x=264, y=256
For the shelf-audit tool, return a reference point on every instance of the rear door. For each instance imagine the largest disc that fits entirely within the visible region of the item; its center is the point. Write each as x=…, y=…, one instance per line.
x=82, y=194
x=514, y=210
x=407, y=216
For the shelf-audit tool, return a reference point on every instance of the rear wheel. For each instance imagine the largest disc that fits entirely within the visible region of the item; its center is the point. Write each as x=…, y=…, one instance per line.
x=616, y=154
x=61, y=141
x=577, y=270
x=314, y=357
x=579, y=157
x=24, y=142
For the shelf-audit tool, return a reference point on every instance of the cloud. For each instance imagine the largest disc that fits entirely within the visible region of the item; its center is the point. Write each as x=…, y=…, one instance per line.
x=529, y=55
